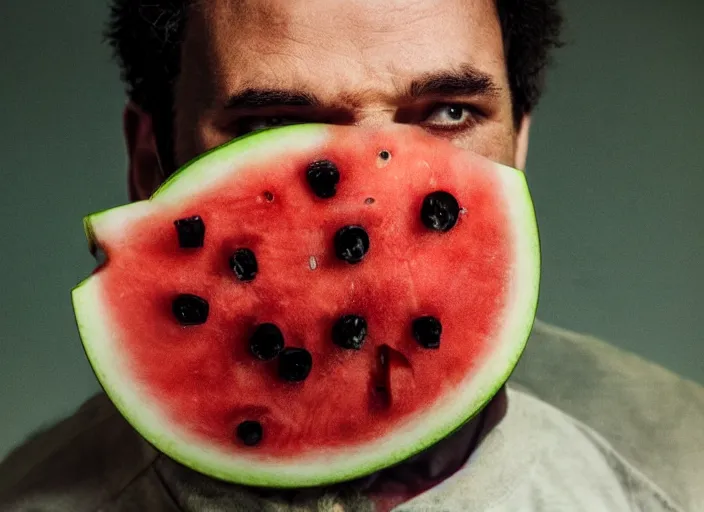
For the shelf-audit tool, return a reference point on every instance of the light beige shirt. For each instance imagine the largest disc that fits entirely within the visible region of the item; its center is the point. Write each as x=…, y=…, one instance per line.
x=538, y=459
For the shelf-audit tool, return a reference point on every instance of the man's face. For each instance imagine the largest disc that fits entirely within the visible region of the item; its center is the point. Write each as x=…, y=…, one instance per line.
x=438, y=64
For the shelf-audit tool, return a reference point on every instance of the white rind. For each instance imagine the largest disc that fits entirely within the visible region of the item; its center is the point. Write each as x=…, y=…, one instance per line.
x=102, y=347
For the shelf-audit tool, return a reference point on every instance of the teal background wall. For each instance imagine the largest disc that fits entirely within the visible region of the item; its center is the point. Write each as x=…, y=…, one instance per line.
x=615, y=166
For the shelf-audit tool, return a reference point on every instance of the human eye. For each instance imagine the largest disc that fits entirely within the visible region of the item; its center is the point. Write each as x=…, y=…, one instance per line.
x=450, y=117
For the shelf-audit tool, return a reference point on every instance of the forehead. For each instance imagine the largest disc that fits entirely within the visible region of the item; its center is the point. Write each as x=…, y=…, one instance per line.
x=369, y=48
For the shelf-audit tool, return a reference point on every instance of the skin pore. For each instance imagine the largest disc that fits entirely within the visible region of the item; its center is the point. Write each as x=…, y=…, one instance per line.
x=437, y=64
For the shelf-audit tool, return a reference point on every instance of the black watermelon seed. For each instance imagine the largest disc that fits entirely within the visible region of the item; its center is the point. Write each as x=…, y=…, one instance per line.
x=384, y=154
x=190, y=309
x=244, y=264
x=323, y=178
x=266, y=342
x=351, y=244
x=349, y=332
x=191, y=232
x=440, y=211
x=295, y=364
x=427, y=331
x=250, y=432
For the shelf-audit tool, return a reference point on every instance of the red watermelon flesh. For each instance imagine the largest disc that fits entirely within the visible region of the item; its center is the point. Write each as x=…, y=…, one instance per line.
x=187, y=389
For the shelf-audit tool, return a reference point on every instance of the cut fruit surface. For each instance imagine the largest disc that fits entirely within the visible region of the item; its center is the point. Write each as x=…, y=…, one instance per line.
x=309, y=304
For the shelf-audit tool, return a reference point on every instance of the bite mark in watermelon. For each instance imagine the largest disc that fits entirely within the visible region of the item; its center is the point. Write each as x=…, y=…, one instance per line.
x=373, y=348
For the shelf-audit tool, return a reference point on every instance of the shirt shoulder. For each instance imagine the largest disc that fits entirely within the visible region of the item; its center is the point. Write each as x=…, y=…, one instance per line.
x=652, y=417
x=538, y=459
x=92, y=460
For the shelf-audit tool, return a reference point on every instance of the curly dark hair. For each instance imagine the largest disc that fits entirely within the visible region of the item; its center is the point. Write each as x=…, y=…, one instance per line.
x=146, y=36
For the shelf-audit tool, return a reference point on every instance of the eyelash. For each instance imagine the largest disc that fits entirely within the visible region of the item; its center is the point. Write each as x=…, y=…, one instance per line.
x=243, y=125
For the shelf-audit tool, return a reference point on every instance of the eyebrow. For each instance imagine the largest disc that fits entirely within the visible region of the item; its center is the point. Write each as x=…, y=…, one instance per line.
x=260, y=98
x=466, y=81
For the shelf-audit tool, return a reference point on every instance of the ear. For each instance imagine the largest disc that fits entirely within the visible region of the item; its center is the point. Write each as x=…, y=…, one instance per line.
x=521, y=153
x=144, y=170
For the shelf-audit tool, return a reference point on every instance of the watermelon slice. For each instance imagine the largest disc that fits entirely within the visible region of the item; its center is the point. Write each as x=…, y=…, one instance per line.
x=310, y=304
